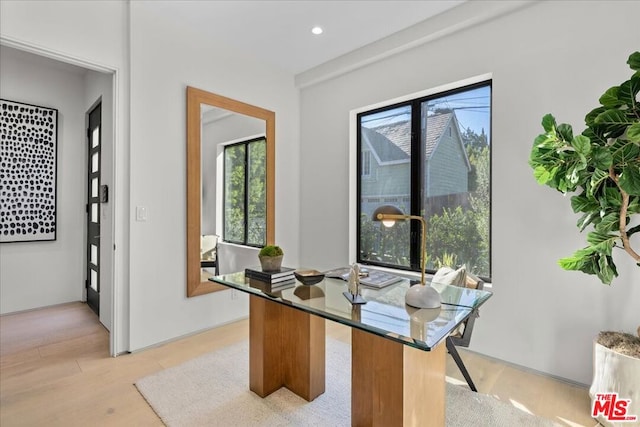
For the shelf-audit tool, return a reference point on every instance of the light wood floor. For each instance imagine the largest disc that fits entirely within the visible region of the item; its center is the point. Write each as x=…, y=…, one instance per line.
x=55, y=370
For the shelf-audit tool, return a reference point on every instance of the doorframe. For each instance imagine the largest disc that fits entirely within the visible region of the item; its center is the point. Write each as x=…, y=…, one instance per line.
x=118, y=198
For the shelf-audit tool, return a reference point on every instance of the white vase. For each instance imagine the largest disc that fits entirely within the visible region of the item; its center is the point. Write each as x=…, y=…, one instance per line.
x=616, y=373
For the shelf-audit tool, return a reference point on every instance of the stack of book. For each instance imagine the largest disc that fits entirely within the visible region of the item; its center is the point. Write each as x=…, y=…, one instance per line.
x=271, y=281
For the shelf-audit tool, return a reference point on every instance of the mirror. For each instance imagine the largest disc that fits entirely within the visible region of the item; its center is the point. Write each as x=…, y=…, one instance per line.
x=201, y=103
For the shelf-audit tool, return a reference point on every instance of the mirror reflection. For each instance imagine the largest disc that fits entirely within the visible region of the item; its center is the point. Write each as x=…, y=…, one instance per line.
x=230, y=181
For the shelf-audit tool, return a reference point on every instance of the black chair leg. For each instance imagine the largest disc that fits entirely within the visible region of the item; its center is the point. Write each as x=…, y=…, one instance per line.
x=456, y=357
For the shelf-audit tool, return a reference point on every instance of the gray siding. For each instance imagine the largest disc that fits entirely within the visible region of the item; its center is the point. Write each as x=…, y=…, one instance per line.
x=447, y=171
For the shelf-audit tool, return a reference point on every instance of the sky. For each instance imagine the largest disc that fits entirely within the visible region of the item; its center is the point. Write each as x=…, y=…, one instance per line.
x=472, y=109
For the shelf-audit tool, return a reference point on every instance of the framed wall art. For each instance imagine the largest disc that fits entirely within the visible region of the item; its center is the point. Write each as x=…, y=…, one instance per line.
x=28, y=158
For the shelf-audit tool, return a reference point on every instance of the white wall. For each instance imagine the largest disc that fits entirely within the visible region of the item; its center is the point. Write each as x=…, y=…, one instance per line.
x=37, y=274
x=168, y=55
x=548, y=57
x=95, y=35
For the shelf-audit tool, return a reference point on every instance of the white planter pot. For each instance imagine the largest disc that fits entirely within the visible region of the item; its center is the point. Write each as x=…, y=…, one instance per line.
x=616, y=373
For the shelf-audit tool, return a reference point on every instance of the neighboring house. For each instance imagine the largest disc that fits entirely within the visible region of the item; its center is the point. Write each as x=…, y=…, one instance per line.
x=386, y=174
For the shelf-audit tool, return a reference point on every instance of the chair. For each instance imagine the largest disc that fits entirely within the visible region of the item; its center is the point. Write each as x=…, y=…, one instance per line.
x=208, y=252
x=462, y=336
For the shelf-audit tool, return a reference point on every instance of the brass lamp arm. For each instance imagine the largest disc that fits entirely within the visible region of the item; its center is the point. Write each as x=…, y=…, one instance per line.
x=423, y=247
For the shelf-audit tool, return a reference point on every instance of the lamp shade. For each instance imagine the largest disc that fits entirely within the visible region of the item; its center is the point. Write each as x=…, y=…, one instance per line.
x=384, y=210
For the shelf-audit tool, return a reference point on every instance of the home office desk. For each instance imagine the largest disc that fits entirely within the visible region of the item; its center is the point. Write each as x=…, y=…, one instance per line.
x=398, y=352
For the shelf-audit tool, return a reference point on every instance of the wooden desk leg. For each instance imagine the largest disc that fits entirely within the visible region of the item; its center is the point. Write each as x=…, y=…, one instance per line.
x=286, y=348
x=395, y=385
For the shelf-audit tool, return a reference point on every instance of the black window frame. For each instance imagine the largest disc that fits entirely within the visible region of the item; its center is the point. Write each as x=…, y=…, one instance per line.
x=245, y=239
x=417, y=174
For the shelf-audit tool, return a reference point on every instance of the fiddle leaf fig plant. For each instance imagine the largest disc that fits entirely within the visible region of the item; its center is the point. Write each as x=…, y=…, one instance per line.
x=601, y=167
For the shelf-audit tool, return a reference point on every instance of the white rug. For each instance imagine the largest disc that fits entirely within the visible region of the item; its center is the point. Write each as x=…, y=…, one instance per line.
x=213, y=390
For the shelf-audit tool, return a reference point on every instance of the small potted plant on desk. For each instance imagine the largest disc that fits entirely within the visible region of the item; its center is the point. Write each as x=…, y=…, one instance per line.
x=271, y=258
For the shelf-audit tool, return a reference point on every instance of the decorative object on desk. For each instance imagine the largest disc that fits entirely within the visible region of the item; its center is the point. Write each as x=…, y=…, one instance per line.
x=28, y=144
x=271, y=258
x=281, y=275
x=308, y=292
x=601, y=166
x=353, y=293
x=419, y=296
x=309, y=277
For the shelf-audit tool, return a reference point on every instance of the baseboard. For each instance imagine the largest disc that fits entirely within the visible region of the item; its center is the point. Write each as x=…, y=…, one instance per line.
x=527, y=369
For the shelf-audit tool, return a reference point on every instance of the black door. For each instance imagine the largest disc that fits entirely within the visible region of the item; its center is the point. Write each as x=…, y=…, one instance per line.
x=94, y=138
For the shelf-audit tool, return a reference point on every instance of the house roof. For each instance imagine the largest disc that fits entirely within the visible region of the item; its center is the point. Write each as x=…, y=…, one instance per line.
x=399, y=135
x=384, y=149
x=436, y=125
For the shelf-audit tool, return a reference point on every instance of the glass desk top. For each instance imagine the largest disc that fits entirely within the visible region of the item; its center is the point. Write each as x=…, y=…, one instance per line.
x=384, y=313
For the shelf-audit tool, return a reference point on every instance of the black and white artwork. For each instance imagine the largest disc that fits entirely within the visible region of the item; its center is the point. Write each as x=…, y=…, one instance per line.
x=28, y=145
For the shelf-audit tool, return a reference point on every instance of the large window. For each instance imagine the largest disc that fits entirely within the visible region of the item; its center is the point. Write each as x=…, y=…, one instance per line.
x=245, y=192
x=431, y=157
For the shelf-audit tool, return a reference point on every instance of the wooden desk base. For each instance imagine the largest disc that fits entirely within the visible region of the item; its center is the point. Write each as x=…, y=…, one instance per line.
x=286, y=349
x=396, y=385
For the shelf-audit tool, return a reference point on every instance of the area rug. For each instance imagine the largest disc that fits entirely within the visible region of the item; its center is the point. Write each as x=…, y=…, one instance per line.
x=213, y=390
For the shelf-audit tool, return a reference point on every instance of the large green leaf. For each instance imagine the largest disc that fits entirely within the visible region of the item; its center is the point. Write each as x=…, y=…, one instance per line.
x=602, y=158
x=634, y=205
x=607, y=269
x=571, y=263
x=595, y=137
x=612, y=198
x=549, y=123
x=584, y=260
x=628, y=91
x=582, y=204
x=542, y=175
x=630, y=179
x=585, y=220
x=609, y=222
x=633, y=133
x=613, y=117
x=610, y=98
x=624, y=151
x=565, y=131
x=602, y=242
x=591, y=116
x=597, y=177
x=544, y=140
x=634, y=61
x=582, y=144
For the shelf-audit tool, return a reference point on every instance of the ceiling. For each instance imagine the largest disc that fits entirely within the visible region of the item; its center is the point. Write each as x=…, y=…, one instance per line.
x=279, y=32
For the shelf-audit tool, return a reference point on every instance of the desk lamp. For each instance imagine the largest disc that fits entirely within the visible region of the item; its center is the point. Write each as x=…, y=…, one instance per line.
x=422, y=296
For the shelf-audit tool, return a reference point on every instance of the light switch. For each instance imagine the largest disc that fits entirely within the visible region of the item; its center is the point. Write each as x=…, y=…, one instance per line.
x=141, y=213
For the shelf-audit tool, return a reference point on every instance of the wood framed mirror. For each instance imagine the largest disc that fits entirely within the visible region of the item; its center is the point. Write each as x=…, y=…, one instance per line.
x=197, y=99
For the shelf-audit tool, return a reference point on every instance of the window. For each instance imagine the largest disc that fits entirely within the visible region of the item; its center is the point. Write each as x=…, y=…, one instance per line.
x=435, y=161
x=245, y=192
x=366, y=163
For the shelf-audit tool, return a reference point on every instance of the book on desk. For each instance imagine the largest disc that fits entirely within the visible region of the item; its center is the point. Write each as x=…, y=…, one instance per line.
x=371, y=278
x=271, y=288
x=283, y=275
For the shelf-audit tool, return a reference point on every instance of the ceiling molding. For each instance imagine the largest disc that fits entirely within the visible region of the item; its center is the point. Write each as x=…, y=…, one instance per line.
x=35, y=49
x=467, y=15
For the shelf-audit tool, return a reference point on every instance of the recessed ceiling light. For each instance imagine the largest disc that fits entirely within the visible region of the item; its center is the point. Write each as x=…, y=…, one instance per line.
x=317, y=30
